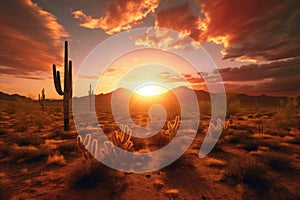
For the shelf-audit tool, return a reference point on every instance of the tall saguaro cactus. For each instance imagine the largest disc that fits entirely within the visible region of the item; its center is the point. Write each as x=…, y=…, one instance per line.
x=42, y=99
x=91, y=94
x=67, y=93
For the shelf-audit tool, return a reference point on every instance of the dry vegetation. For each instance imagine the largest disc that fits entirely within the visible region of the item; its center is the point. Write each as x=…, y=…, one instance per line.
x=41, y=161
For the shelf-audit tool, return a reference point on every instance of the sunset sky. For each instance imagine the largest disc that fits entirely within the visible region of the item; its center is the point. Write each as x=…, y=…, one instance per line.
x=255, y=44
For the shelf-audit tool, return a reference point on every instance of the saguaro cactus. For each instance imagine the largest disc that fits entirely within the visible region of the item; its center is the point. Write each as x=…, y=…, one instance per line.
x=91, y=94
x=67, y=93
x=42, y=99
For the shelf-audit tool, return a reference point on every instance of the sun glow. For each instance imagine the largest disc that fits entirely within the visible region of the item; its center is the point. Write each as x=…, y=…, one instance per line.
x=150, y=90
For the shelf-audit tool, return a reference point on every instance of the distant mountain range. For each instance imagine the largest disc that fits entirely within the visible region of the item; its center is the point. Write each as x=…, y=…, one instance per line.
x=13, y=97
x=122, y=94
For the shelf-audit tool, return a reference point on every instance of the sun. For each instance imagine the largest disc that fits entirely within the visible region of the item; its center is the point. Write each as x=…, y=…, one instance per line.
x=150, y=89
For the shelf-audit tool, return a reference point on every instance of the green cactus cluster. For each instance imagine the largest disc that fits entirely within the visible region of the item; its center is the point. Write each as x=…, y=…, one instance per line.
x=172, y=128
x=42, y=99
x=67, y=92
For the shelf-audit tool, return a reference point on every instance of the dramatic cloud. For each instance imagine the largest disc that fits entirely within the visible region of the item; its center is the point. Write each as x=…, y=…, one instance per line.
x=182, y=19
x=164, y=39
x=276, y=78
x=30, y=39
x=250, y=30
x=119, y=15
x=259, y=30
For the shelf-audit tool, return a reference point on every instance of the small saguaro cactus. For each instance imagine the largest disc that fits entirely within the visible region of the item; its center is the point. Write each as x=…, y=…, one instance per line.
x=67, y=93
x=91, y=94
x=42, y=99
x=260, y=127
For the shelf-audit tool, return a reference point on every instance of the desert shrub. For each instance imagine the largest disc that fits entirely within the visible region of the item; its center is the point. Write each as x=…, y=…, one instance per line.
x=56, y=159
x=295, y=140
x=88, y=175
x=5, y=151
x=233, y=107
x=284, y=117
x=274, y=145
x=139, y=143
x=277, y=161
x=2, y=132
x=67, y=147
x=205, y=107
x=213, y=162
x=247, y=171
x=3, y=193
x=243, y=128
x=21, y=123
x=28, y=139
x=251, y=146
x=22, y=154
x=10, y=109
x=233, y=139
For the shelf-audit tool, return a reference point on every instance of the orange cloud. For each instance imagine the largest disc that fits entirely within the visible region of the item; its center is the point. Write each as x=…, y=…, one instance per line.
x=181, y=19
x=30, y=39
x=253, y=30
x=163, y=39
x=249, y=30
x=120, y=15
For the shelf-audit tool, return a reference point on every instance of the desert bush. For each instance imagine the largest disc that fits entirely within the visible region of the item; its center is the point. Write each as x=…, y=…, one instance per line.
x=3, y=193
x=233, y=107
x=284, y=117
x=21, y=123
x=22, y=154
x=244, y=128
x=28, y=139
x=88, y=175
x=277, y=161
x=5, y=151
x=295, y=140
x=205, y=107
x=251, y=146
x=247, y=171
x=213, y=162
x=274, y=145
x=56, y=159
x=2, y=132
x=233, y=139
x=139, y=143
x=67, y=147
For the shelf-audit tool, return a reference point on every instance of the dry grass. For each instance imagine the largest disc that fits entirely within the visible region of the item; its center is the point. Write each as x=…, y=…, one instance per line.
x=251, y=146
x=213, y=162
x=247, y=171
x=20, y=154
x=56, y=159
x=277, y=161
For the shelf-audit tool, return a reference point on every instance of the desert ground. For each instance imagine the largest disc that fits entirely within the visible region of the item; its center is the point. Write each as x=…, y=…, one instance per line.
x=256, y=157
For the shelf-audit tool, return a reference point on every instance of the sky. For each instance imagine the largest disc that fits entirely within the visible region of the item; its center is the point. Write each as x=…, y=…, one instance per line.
x=255, y=44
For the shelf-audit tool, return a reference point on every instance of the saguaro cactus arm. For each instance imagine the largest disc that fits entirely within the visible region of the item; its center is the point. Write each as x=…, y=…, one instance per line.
x=56, y=78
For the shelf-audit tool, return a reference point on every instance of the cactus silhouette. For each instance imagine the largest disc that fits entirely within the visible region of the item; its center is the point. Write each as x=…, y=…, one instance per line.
x=42, y=99
x=91, y=94
x=67, y=93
